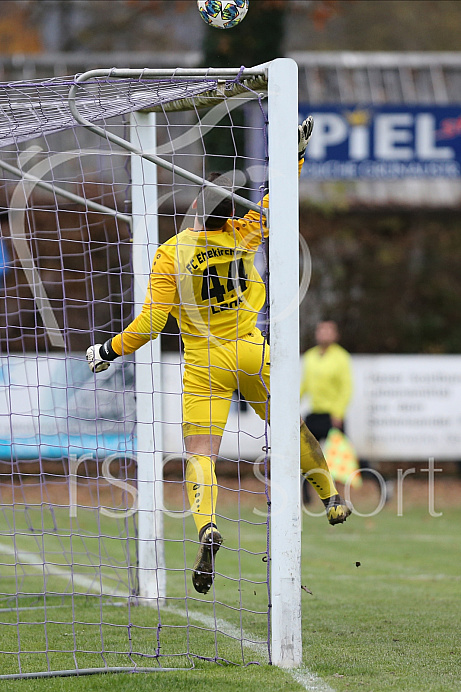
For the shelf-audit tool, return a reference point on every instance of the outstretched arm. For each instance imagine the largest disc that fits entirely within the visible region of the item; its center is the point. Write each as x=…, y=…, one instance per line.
x=250, y=225
x=160, y=298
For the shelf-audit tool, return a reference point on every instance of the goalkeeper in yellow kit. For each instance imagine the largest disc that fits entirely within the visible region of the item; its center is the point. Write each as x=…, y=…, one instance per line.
x=205, y=277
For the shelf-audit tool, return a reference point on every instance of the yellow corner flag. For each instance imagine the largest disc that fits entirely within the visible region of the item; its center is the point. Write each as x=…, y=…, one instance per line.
x=342, y=458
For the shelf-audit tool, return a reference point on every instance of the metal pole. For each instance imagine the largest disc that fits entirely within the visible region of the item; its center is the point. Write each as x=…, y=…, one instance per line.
x=151, y=573
x=284, y=379
x=106, y=134
x=55, y=190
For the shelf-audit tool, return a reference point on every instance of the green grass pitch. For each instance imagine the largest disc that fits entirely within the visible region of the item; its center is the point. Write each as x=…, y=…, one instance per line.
x=382, y=616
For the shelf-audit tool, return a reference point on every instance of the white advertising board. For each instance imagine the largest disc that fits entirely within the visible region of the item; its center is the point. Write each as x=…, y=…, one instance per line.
x=406, y=407
x=52, y=406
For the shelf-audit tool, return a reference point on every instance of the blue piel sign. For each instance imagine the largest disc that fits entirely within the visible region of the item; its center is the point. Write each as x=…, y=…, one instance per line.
x=383, y=142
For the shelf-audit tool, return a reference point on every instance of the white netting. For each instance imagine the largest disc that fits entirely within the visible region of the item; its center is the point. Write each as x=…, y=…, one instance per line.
x=36, y=108
x=70, y=539
x=33, y=109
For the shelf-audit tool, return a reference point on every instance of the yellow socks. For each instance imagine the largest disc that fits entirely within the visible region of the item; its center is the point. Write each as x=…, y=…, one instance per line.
x=202, y=489
x=313, y=465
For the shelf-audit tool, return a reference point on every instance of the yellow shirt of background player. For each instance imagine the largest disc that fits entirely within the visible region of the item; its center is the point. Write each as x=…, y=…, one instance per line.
x=327, y=378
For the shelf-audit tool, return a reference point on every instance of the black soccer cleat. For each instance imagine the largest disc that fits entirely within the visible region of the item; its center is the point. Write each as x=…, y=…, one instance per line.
x=203, y=570
x=337, y=509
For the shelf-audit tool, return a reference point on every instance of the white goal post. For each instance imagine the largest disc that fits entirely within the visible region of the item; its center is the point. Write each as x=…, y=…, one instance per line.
x=282, y=93
x=284, y=330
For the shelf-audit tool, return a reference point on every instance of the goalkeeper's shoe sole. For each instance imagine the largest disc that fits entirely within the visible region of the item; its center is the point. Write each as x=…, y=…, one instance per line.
x=337, y=510
x=203, y=570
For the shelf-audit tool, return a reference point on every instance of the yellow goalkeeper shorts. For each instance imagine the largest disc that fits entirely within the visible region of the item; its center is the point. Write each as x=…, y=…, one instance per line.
x=212, y=374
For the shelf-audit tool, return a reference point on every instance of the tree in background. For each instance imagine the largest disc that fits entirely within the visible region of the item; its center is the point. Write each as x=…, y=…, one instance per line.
x=258, y=39
x=18, y=32
x=391, y=280
x=271, y=28
x=261, y=37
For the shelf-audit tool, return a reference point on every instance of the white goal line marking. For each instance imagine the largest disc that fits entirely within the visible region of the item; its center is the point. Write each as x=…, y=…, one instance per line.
x=35, y=560
x=19, y=609
x=303, y=676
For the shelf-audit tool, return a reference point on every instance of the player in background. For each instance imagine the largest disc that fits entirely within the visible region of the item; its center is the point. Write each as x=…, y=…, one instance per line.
x=327, y=379
x=205, y=277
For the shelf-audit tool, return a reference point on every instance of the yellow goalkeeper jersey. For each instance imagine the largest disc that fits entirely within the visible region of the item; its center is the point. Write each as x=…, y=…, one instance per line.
x=208, y=281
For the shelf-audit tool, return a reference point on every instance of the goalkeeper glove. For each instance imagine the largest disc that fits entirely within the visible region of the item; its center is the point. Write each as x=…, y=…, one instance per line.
x=95, y=362
x=304, y=135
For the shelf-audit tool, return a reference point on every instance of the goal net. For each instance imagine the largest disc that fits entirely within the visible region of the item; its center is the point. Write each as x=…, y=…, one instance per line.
x=97, y=541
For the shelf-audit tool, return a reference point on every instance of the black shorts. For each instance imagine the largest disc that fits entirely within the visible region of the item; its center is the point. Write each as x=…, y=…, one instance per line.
x=319, y=424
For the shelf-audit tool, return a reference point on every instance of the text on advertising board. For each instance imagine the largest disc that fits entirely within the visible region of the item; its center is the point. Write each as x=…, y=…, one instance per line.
x=383, y=142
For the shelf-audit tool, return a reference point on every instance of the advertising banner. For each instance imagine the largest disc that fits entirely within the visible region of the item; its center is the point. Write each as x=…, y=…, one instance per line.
x=403, y=408
x=406, y=408
x=383, y=142
x=52, y=406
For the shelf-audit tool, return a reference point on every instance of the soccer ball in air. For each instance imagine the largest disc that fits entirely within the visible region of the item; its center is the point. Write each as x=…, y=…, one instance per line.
x=222, y=14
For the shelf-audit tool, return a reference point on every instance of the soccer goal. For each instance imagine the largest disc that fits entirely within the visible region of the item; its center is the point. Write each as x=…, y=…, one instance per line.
x=96, y=537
